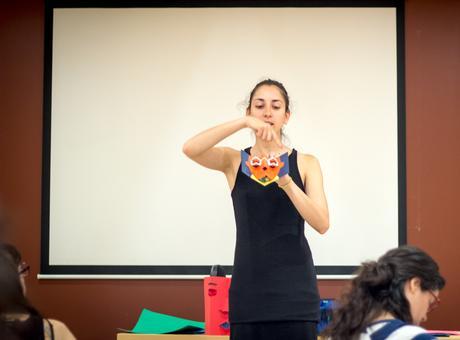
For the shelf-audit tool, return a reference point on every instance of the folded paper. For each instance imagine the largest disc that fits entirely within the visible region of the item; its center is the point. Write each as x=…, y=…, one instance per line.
x=264, y=170
x=156, y=323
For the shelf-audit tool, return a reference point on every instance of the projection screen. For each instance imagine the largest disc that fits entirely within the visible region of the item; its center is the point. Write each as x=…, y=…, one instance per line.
x=126, y=87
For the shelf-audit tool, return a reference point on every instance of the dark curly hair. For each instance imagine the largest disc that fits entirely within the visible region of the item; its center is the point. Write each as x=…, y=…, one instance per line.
x=379, y=287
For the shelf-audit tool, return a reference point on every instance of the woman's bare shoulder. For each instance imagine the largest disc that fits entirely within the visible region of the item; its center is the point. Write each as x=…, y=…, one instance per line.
x=61, y=331
x=308, y=160
x=309, y=167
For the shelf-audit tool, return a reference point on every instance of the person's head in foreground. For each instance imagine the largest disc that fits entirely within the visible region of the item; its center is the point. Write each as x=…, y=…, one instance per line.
x=12, y=253
x=404, y=284
x=18, y=318
x=12, y=292
x=12, y=299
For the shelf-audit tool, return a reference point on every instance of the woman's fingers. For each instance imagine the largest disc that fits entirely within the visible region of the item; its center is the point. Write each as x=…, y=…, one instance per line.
x=277, y=140
x=265, y=133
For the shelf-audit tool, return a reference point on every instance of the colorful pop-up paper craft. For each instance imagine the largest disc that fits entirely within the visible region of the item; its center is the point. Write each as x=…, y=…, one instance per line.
x=264, y=170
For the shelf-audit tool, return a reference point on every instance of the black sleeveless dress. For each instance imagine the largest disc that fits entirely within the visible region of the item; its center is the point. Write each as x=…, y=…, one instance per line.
x=274, y=277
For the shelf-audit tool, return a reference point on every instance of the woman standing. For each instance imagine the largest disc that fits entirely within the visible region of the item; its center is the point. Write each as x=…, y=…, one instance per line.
x=273, y=294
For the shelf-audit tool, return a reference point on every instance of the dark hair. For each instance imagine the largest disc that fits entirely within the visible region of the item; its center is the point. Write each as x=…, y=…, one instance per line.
x=12, y=299
x=379, y=287
x=270, y=82
x=12, y=252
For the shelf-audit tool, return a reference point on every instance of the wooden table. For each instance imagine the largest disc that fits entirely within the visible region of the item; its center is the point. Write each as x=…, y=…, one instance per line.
x=129, y=336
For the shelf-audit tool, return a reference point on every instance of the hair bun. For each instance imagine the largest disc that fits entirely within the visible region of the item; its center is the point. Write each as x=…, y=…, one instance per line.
x=377, y=277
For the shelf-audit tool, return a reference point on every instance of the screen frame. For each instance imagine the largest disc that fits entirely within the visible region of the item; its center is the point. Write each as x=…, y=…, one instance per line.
x=193, y=271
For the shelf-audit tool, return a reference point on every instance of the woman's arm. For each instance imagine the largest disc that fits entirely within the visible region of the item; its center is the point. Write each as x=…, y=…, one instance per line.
x=310, y=201
x=201, y=148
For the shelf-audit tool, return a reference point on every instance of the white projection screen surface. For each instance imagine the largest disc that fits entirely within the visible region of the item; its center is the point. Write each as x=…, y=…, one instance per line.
x=126, y=87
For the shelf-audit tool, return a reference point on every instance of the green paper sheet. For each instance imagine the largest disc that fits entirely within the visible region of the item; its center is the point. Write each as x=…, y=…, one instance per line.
x=156, y=323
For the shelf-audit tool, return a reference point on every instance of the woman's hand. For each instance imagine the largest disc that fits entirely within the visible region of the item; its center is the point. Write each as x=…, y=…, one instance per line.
x=284, y=181
x=263, y=130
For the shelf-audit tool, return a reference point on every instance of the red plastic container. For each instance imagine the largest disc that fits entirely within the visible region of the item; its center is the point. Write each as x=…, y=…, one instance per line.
x=216, y=305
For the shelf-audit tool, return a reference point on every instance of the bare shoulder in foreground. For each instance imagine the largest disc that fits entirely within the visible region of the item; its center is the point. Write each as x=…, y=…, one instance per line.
x=61, y=331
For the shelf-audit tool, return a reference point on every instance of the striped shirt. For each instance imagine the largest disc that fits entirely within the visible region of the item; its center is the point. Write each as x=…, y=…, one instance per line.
x=394, y=330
